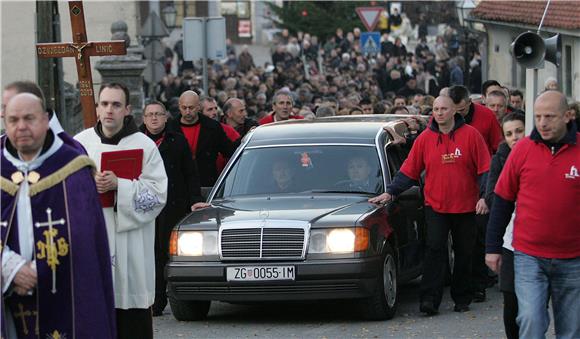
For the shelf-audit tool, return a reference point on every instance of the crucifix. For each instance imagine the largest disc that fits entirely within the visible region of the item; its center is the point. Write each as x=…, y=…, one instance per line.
x=51, y=252
x=82, y=49
x=22, y=314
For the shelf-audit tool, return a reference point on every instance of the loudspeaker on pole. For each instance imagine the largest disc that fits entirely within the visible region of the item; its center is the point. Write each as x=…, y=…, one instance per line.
x=531, y=50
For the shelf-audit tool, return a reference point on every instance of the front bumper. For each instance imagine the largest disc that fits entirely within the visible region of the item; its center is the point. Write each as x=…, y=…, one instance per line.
x=314, y=280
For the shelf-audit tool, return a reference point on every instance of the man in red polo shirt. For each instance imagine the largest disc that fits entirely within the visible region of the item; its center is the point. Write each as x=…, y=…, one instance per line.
x=453, y=156
x=541, y=175
x=478, y=116
x=282, y=104
x=483, y=119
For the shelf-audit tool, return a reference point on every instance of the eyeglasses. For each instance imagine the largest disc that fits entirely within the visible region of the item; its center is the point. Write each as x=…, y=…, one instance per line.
x=154, y=114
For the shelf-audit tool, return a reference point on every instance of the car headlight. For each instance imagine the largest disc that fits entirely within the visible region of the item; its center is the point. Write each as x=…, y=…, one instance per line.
x=194, y=243
x=338, y=240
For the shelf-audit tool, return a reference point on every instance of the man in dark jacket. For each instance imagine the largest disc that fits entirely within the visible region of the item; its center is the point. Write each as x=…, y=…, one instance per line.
x=182, y=189
x=410, y=88
x=205, y=136
x=236, y=116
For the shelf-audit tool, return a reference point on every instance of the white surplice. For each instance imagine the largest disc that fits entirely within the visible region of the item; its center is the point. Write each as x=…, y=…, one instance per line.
x=131, y=227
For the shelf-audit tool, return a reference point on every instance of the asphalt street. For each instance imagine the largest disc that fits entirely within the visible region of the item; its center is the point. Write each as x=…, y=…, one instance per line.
x=335, y=320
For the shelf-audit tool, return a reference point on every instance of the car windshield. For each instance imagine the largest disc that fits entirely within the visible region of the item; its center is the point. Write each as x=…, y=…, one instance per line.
x=304, y=169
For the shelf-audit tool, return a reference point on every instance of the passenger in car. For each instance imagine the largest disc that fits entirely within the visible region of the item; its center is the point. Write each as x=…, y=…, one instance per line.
x=283, y=175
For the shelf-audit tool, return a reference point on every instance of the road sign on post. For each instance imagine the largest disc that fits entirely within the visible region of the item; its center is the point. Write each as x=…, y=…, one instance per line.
x=369, y=16
x=152, y=32
x=204, y=38
x=370, y=43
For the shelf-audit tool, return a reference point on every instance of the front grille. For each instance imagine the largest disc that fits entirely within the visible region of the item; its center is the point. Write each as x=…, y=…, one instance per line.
x=268, y=290
x=262, y=242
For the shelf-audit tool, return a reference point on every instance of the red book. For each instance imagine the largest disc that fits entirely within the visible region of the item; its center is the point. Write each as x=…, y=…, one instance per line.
x=125, y=164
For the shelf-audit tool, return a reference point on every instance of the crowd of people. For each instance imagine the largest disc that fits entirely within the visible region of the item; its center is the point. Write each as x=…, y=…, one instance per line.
x=461, y=143
x=336, y=68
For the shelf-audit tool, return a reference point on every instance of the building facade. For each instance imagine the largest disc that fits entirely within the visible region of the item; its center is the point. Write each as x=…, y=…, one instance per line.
x=505, y=20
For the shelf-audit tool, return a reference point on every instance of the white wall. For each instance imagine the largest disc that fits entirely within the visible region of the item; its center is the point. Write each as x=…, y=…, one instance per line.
x=499, y=57
x=18, y=36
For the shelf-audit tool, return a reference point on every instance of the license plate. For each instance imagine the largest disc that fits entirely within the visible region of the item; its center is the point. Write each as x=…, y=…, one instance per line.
x=260, y=273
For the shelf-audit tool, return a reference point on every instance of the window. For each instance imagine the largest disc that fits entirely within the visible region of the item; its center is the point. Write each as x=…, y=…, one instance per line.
x=240, y=9
x=295, y=169
x=396, y=155
x=567, y=70
x=184, y=9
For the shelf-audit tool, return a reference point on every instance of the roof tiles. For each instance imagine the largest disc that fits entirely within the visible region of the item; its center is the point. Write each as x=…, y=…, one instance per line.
x=561, y=14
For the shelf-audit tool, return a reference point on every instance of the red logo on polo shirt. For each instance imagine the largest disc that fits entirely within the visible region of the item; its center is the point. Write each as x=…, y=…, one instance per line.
x=450, y=158
x=573, y=173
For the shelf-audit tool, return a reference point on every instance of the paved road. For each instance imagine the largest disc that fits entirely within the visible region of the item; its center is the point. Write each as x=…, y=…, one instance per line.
x=333, y=320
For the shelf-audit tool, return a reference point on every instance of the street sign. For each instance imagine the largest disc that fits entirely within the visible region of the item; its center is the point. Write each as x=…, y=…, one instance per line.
x=369, y=16
x=244, y=28
x=370, y=42
x=154, y=27
x=193, y=37
x=204, y=38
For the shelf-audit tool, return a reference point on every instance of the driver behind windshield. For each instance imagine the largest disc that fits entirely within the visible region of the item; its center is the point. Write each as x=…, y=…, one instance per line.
x=283, y=175
x=359, y=172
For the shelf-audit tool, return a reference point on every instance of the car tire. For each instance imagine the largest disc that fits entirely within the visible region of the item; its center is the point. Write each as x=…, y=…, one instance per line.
x=382, y=305
x=188, y=310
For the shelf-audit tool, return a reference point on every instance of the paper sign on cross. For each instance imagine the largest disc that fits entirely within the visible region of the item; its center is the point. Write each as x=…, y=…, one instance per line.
x=81, y=50
x=369, y=16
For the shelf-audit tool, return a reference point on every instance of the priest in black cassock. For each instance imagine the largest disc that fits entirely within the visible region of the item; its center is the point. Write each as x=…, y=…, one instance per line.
x=56, y=271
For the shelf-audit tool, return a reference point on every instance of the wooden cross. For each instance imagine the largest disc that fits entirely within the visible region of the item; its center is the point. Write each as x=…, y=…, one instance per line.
x=50, y=248
x=81, y=49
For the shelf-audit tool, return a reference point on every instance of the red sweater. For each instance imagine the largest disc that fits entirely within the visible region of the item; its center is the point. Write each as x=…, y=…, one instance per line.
x=270, y=118
x=452, y=164
x=233, y=135
x=546, y=189
x=483, y=120
x=191, y=133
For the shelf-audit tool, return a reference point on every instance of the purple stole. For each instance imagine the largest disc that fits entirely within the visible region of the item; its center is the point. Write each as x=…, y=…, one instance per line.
x=52, y=251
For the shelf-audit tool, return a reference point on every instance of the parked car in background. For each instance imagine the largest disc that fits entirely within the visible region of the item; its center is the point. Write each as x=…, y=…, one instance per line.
x=289, y=220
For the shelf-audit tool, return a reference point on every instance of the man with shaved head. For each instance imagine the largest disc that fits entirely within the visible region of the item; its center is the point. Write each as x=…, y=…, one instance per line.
x=454, y=156
x=541, y=175
x=236, y=116
x=205, y=136
x=50, y=205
